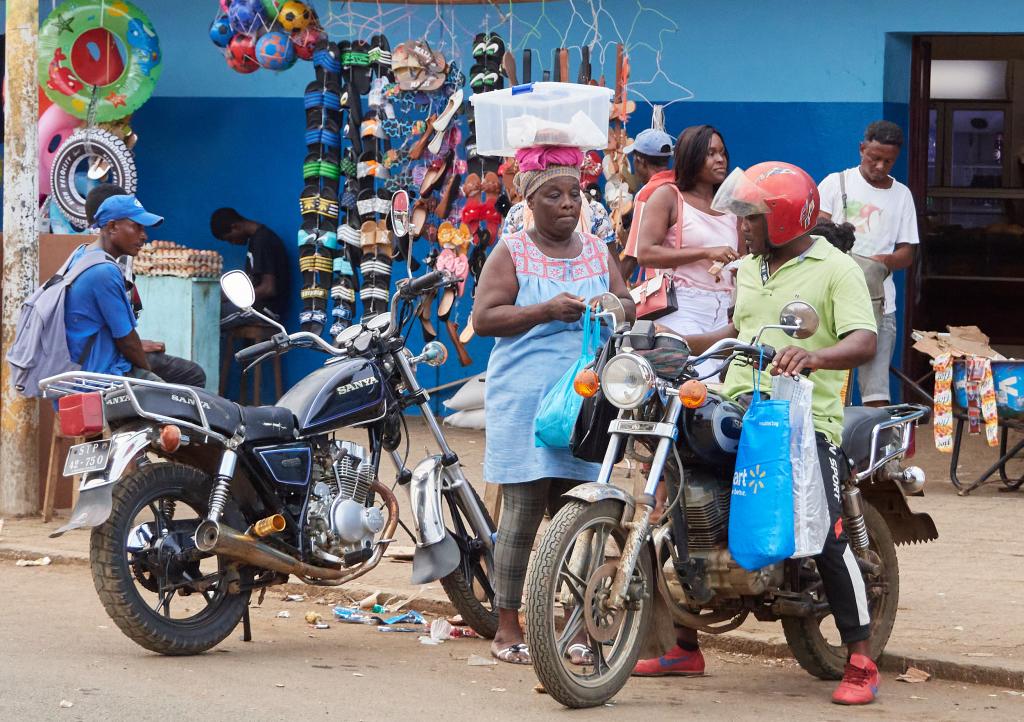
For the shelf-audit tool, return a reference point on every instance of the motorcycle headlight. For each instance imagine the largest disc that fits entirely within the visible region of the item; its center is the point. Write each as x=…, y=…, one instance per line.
x=627, y=381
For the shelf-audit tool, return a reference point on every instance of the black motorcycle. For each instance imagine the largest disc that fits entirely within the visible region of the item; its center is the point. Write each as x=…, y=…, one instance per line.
x=606, y=574
x=195, y=501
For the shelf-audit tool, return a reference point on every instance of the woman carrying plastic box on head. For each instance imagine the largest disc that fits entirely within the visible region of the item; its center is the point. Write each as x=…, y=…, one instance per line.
x=532, y=295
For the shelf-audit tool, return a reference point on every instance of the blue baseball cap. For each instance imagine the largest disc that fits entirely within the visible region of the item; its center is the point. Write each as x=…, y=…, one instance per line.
x=652, y=142
x=116, y=208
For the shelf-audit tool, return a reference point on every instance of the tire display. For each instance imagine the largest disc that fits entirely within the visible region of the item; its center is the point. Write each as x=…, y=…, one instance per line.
x=82, y=147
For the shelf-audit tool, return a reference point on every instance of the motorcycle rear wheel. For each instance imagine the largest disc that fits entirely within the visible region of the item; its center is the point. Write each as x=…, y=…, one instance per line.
x=562, y=595
x=126, y=581
x=806, y=639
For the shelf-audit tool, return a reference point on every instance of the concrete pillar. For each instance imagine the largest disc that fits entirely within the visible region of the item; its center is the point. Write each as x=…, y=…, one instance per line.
x=19, y=417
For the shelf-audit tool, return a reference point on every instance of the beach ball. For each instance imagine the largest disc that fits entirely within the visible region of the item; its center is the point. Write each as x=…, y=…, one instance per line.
x=242, y=54
x=274, y=51
x=294, y=16
x=305, y=42
x=221, y=32
x=246, y=16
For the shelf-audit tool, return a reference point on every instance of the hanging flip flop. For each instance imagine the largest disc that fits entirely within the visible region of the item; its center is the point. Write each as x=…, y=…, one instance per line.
x=449, y=195
x=563, y=64
x=479, y=45
x=432, y=178
x=527, y=66
x=416, y=152
x=584, y=75
x=508, y=64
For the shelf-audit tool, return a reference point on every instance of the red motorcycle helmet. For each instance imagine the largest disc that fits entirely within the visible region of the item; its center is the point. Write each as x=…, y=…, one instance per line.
x=784, y=193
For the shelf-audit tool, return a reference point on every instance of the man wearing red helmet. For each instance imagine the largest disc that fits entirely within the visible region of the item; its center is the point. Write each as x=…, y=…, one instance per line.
x=779, y=205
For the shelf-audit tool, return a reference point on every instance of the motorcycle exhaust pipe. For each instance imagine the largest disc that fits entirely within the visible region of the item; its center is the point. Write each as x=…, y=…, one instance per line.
x=912, y=480
x=215, y=538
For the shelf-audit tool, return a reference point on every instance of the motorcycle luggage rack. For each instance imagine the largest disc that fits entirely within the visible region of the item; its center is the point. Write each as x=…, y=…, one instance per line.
x=904, y=415
x=83, y=382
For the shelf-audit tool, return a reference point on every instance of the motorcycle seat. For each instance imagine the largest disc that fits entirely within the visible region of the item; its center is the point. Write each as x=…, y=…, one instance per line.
x=858, y=421
x=262, y=423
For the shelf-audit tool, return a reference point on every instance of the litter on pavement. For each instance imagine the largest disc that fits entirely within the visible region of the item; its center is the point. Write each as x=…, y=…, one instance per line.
x=41, y=562
x=913, y=675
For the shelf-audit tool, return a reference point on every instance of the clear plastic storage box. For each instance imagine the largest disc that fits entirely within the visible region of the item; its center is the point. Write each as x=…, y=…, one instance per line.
x=555, y=103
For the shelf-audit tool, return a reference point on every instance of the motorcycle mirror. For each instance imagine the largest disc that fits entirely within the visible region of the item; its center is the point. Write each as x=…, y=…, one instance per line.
x=237, y=286
x=799, y=319
x=400, y=213
x=434, y=354
x=610, y=303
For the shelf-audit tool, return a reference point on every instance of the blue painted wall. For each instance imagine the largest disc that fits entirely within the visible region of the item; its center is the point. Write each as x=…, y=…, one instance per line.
x=795, y=81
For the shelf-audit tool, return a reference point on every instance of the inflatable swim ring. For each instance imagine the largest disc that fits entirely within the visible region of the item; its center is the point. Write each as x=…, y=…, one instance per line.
x=55, y=126
x=98, y=59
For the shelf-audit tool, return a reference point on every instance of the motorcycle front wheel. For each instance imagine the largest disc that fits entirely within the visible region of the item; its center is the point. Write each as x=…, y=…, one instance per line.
x=151, y=581
x=470, y=587
x=568, y=581
x=814, y=640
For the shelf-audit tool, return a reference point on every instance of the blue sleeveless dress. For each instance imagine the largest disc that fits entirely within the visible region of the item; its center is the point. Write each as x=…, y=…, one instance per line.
x=523, y=368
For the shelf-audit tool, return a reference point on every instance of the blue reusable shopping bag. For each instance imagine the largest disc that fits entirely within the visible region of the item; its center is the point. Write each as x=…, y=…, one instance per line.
x=559, y=408
x=761, y=507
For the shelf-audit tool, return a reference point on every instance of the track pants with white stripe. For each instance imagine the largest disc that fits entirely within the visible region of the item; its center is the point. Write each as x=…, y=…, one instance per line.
x=837, y=564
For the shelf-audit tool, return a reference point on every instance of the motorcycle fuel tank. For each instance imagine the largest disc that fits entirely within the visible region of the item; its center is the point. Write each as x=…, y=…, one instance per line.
x=348, y=392
x=712, y=432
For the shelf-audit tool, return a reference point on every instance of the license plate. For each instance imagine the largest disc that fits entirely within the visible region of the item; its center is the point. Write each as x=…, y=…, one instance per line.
x=90, y=456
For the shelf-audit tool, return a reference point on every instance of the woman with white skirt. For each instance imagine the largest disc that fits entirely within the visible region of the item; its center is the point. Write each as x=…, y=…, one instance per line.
x=680, y=232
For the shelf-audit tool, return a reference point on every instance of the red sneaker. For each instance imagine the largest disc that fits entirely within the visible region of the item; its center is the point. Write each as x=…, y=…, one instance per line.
x=677, y=662
x=860, y=682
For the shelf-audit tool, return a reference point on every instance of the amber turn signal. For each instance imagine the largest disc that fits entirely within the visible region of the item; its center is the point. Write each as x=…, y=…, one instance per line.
x=586, y=383
x=693, y=394
x=170, y=438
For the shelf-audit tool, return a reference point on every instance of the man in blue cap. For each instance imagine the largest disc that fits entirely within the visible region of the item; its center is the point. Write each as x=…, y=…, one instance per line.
x=98, y=316
x=650, y=153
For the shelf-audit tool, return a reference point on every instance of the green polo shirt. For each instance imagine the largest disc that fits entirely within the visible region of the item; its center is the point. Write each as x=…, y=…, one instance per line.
x=830, y=281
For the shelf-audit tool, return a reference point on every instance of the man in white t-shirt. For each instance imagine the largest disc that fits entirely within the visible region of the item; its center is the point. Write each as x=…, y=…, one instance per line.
x=882, y=212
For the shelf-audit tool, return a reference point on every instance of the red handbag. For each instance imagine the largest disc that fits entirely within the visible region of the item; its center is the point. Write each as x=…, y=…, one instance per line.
x=655, y=295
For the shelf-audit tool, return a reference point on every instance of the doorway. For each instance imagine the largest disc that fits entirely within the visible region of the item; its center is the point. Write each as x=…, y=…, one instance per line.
x=967, y=175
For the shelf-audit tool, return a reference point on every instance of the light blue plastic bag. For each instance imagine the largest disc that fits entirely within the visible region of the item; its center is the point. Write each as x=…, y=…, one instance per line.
x=561, y=405
x=761, y=506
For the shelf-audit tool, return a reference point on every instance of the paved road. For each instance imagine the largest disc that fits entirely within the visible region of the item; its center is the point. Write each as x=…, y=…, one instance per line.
x=56, y=643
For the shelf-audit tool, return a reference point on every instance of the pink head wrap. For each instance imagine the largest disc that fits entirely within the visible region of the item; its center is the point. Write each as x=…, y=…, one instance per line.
x=541, y=163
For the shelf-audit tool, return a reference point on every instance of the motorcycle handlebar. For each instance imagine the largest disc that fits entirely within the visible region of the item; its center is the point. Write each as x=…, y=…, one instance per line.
x=421, y=285
x=255, y=351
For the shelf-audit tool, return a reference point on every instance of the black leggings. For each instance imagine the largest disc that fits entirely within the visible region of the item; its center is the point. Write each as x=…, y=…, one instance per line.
x=837, y=564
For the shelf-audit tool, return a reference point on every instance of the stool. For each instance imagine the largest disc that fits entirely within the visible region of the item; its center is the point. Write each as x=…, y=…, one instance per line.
x=59, y=446
x=251, y=334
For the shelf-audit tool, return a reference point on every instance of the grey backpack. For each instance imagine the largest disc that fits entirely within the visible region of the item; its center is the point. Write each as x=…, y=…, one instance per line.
x=40, y=347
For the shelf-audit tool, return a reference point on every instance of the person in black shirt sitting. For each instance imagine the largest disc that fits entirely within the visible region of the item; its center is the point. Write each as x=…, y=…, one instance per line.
x=266, y=264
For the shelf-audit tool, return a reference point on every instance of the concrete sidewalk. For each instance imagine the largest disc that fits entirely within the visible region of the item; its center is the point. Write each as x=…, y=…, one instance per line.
x=960, y=598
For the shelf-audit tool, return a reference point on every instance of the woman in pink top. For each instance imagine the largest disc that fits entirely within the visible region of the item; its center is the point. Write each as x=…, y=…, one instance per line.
x=702, y=242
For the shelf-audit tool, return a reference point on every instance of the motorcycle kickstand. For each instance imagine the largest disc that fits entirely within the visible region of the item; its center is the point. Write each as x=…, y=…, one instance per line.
x=246, y=625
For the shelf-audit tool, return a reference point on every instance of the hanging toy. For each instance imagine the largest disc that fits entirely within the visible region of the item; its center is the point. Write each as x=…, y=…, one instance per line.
x=247, y=16
x=98, y=59
x=295, y=16
x=272, y=7
x=305, y=42
x=274, y=51
x=242, y=54
x=221, y=32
